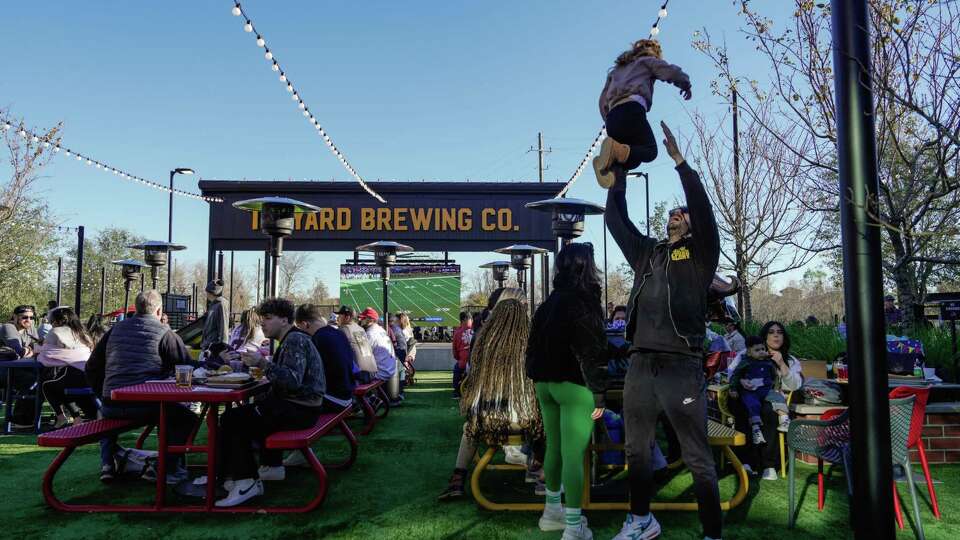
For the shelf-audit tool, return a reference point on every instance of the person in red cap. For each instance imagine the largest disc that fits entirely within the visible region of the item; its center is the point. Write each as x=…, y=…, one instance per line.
x=380, y=342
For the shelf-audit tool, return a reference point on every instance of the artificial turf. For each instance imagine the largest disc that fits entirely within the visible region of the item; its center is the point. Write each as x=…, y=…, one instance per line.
x=391, y=490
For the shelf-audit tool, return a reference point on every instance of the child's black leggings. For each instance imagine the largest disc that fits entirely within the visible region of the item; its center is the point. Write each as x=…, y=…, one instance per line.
x=627, y=124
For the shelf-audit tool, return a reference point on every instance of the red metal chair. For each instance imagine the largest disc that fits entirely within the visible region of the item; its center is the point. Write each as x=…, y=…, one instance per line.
x=915, y=439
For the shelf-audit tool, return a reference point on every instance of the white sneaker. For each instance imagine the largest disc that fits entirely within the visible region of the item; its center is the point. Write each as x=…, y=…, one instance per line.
x=296, y=459
x=784, y=425
x=581, y=532
x=770, y=474
x=243, y=491
x=552, y=521
x=272, y=474
x=633, y=530
x=514, y=456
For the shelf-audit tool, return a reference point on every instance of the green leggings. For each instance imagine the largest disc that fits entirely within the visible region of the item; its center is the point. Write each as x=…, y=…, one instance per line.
x=566, y=408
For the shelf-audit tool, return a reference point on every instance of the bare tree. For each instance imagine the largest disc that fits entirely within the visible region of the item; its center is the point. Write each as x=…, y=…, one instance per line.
x=293, y=266
x=27, y=227
x=748, y=178
x=916, y=60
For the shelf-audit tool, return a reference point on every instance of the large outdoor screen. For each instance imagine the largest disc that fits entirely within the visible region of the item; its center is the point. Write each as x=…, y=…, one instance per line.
x=429, y=293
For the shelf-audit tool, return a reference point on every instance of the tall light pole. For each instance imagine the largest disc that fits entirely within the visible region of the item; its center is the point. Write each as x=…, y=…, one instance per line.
x=178, y=170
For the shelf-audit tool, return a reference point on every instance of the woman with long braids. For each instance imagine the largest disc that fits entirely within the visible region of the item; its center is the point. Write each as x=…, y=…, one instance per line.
x=567, y=358
x=497, y=397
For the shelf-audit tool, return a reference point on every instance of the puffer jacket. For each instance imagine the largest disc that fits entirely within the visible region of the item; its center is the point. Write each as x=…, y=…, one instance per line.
x=638, y=77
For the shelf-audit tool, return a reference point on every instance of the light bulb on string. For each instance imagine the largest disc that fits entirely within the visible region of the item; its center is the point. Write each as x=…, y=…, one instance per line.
x=260, y=42
x=275, y=67
x=662, y=13
x=268, y=56
x=283, y=78
x=295, y=97
x=78, y=157
x=301, y=106
x=235, y=11
x=46, y=144
x=654, y=31
x=306, y=113
x=56, y=148
x=289, y=88
x=248, y=27
x=35, y=138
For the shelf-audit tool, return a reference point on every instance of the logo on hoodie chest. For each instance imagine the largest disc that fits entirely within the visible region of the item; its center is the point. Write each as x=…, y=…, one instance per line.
x=680, y=254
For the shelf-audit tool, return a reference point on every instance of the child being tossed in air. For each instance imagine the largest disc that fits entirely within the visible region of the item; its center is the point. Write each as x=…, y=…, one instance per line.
x=752, y=383
x=626, y=98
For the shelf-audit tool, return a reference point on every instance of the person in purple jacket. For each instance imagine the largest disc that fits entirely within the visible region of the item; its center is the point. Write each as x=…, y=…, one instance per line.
x=624, y=103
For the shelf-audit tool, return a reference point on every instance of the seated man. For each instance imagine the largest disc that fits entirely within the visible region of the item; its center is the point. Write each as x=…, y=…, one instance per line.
x=136, y=350
x=295, y=401
x=380, y=342
x=364, y=365
x=336, y=354
x=19, y=340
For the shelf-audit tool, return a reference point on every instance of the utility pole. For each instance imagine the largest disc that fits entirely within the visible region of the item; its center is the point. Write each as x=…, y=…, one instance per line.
x=544, y=262
x=738, y=206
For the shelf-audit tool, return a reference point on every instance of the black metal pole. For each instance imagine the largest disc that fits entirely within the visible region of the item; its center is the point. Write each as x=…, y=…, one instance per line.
x=606, y=289
x=155, y=276
x=59, y=278
x=196, y=305
x=533, y=284
x=646, y=184
x=103, y=289
x=953, y=348
x=230, y=299
x=169, y=233
x=258, y=281
x=275, y=263
x=872, y=501
x=143, y=277
x=126, y=296
x=385, y=272
x=266, y=273
x=78, y=298
x=220, y=266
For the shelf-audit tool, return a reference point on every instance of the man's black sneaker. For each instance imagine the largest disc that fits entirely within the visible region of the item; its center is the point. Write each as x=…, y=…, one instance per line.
x=107, y=474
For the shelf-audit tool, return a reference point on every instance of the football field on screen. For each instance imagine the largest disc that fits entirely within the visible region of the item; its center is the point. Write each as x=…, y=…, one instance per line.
x=429, y=300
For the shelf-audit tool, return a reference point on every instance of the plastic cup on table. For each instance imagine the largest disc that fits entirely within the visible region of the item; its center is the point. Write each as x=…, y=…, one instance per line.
x=184, y=376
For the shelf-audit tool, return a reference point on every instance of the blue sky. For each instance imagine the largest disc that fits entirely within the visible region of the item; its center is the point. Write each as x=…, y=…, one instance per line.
x=408, y=90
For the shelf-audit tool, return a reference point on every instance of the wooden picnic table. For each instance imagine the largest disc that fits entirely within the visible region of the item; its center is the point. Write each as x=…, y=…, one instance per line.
x=166, y=393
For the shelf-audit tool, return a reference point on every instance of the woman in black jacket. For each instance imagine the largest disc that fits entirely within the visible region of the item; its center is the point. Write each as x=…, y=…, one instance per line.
x=566, y=358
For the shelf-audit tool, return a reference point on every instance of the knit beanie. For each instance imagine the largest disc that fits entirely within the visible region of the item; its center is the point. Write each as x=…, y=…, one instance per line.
x=215, y=287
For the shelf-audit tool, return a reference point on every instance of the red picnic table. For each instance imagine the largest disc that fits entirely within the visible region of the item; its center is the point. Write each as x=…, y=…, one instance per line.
x=166, y=393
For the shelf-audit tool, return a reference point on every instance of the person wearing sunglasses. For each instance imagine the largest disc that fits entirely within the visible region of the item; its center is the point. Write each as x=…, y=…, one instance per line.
x=665, y=314
x=20, y=334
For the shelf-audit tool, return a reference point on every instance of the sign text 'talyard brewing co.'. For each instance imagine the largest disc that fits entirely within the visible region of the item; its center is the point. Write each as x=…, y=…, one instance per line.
x=430, y=216
x=403, y=220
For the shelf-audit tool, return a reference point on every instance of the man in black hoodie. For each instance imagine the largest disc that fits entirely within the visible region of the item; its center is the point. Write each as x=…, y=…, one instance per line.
x=668, y=304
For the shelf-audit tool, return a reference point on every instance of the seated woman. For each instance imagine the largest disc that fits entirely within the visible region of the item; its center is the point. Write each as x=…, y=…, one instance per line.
x=497, y=398
x=66, y=350
x=766, y=455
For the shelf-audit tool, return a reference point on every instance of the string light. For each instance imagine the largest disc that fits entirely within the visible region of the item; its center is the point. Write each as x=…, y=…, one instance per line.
x=654, y=32
x=248, y=26
x=106, y=168
x=583, y=162
x=662, y=14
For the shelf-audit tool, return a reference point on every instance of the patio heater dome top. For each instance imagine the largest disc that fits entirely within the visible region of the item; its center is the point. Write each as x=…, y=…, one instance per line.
x=496, y=264
x=568, y=214
x=129, y=262
x=521, y=255
x=499, y=269
x=155, y=251
x=385, y=251
x=277, y=214
x=130, y=267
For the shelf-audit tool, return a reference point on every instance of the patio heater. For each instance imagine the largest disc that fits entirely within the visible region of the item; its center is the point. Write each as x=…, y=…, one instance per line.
x=569, y=218
x=277, y=217
x=155, y=254
x=385, y=256
x=131, y=269
x=499, y=270
x=521, y=258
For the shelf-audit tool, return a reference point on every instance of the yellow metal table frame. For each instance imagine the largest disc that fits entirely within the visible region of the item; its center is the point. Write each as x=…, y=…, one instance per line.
x=718, y=434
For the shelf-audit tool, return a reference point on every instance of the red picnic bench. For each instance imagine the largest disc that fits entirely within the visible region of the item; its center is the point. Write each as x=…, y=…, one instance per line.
x=70, y=438
x=373, y=398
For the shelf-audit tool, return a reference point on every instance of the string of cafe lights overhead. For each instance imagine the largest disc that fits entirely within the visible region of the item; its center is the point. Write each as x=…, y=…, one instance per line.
x=59, y=149
x=654, y=32
x=249, y=28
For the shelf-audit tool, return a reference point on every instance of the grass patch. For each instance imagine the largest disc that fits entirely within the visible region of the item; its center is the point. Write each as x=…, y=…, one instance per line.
x=391, y=493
